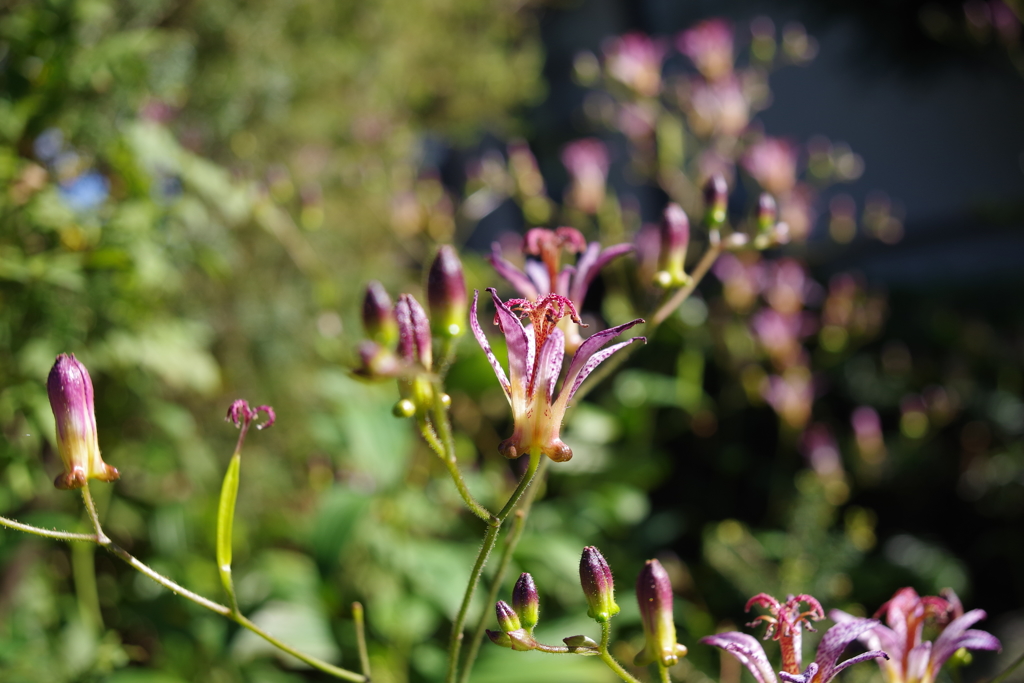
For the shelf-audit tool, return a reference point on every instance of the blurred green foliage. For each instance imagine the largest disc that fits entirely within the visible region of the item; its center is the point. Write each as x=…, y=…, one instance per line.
x=194, y=195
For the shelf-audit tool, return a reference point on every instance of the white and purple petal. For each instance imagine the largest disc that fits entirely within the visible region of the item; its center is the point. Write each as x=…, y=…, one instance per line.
x=590, y=264
x=513, y=275
x=520, y=351
x=538, y=274
x=747, y=650
x=587, y=357
x=549, y=364
x=956, y=635
x=481, y=339
x=835, y=641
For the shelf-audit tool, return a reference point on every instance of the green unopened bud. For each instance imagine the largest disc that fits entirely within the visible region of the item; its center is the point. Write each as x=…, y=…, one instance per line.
x=499, y=638
x=654, y=595
x=404, y=408
x=377, y=362
x=446, y=294
x=526, y=602
x=675, y=238
x=71, y=399
x=767, y=213
x=508, y=620
x=378, y=315
x=574, y=642
x=598, y=585
x=716, y=200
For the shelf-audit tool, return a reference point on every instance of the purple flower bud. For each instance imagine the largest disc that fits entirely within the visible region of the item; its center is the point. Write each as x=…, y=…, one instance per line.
x=675, y=237
x=378, y=315
x=716, y=200
x=526, y=602
x=71, y=399
x=654, y=595
x=508, y=620
x=767, y=213
x=446, y=294
x=598, y=585
x=499, y=638
x=413, y=332
x=376, y=362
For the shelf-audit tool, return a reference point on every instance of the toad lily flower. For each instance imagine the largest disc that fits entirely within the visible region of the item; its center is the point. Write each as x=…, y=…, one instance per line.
x=535, y=354
x=785, y=622
x=548, y=276
x=915, y=660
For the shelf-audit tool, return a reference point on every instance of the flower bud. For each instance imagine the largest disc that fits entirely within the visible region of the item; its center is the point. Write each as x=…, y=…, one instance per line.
x=598, y=585
x=71, y=399
x=376, y=362
x=767, y=213
x=654, y=594
x=378, y=315
x=414, y=343
x=573, y=642
x=526, y=602
x=508, y=620
x=675, y=237
x=446, y=294
x=499, y=638
x=716, y=200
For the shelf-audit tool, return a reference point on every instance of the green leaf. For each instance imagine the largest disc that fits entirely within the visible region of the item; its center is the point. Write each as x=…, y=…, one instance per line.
x=225, y=524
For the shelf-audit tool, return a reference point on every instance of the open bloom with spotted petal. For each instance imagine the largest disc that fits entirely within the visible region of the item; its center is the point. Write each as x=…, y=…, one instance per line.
x=915, y=660
x=535, y=354
x=785, y=622
x=548, y=276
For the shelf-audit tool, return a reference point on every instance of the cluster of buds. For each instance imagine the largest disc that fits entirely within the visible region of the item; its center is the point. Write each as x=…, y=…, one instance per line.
x=654, y=596
x=411, y=361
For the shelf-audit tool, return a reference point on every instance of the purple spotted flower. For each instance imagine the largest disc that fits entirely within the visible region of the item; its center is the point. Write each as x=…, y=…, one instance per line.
x=545, y=274
x=535, y=354
x=785, y=623
x=915, y=660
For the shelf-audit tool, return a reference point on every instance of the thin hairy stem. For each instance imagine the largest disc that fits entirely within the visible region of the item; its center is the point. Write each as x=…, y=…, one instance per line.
x=490, y=537
x=663, y=674
x=511, y=541
x=448, y=458
x=47, y=533
x=359, y=617
x=606, y=657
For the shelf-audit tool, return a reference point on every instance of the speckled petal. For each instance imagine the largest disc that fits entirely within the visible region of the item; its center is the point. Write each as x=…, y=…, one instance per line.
x=747, y=650
x=481, y=339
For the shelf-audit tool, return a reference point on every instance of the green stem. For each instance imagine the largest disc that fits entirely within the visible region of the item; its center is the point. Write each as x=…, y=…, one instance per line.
x=490, y=537
x=606, y=657
x=47, y=533
x=663, y=674
x=511, y=541
x=111, y=547
x=430, y=436
x=359, y=616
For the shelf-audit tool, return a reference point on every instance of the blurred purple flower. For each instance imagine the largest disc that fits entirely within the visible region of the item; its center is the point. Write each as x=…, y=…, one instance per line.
x=587, y=163
x=915, y=660
x=785, y=622
x=634, y=60
x=772, y=163
x=709, y=45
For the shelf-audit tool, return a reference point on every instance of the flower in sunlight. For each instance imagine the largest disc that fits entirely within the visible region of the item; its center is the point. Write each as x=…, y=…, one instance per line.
x=548, y=276
x=535, y=354
x=915, y=660
x=785, y=622
x=71, y=399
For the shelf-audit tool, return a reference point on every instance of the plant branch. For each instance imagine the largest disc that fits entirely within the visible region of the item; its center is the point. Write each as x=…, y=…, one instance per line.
x=490, y=537
x=359, y=617
x=606, y=657
x=47, y=533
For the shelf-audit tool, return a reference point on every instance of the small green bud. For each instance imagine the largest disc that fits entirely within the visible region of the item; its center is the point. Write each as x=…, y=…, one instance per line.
x=378, y=315
x=526, y=602
x=573, y=642
x=767, y=213
x=716, y=200
x=654, y=595
x=675, y=238
x=598, y=585
x=446, y=294
x=404, y=408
